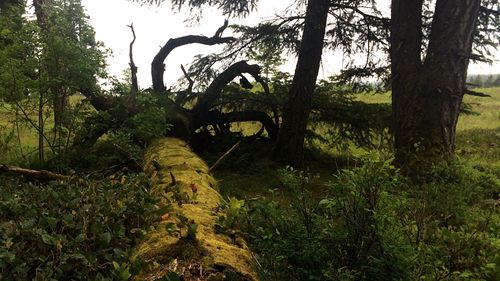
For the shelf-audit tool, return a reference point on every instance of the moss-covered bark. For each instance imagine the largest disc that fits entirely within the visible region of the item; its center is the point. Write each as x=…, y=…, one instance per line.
x=176, y=172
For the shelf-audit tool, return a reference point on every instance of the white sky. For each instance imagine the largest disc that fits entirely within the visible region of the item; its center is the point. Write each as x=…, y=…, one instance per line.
x=155, y=25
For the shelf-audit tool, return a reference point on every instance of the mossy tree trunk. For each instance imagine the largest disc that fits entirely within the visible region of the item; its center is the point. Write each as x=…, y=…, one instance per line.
x=182, y=179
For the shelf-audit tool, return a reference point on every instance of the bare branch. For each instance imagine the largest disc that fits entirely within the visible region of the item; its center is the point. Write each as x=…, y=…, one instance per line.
x=489, y=11
x=41, y=175
x=475, y=57
x=133, y=67
x=224, y=156
x=218, y=33
x=215, y=88
x=182, y=96
x=188, y=77
x=216, y=117
x=476, y=94
x=158, y=67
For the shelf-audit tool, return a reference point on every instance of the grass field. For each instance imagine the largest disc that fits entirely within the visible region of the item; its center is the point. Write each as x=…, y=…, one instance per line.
x=487, y=109
x=478, y=134
x=19, y=141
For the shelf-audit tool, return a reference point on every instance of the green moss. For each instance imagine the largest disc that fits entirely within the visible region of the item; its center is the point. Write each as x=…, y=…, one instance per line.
x=169, y=159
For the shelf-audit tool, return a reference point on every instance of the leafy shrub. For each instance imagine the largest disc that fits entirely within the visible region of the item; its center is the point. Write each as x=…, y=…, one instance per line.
x=81, y=230
x=150, y=122
x=379, y=225
x=352, y=235
x=455, y=219
x=123, y=146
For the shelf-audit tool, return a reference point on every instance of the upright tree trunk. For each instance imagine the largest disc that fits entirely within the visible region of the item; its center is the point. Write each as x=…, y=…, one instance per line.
x=426, y=96
x=60, y=98
x=290, y=145
x=41, y=128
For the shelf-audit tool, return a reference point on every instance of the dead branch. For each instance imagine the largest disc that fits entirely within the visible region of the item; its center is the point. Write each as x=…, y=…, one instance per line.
x=188, y=77
x=245, y=83
x=215, y=117
x=172, y=177
x=182, y=96
x=133, y=67
x=476, y=94
x=472, y=84
x=224, y=156
x=272, y=100
x=158, y=67
x=221, y=29
x=34, y=125
x=475, y=57
x=99, y=101
x=215, y=88
x=40, y=175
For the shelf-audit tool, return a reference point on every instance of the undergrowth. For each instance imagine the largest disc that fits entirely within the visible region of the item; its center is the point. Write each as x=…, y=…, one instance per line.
x=81, y=230
x=376, y=224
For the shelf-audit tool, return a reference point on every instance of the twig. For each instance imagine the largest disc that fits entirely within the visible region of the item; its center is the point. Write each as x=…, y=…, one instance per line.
x=172, y=177
x=38, y=129
x=476, y=94
x=188, y=77
x=41, y=175
x=183, y=95
x=224, y=156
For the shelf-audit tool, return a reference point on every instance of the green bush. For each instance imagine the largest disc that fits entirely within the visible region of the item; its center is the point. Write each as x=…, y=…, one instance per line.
x=379, y=225
x=455, y=224
x=81, y=230
x=351, y=235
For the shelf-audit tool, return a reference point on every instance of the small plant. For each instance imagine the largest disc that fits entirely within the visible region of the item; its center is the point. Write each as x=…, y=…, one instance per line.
x=234, y=213
x=81, y=230
x=302, y=200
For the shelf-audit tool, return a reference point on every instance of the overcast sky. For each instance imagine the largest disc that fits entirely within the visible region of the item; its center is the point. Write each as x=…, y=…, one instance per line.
x=155, y=25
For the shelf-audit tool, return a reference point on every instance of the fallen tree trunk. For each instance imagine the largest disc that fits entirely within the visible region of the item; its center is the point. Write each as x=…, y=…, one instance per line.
x=181, y=178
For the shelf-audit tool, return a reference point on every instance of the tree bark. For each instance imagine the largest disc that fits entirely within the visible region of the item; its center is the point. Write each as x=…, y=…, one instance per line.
x=426, y=96
x=290, y=145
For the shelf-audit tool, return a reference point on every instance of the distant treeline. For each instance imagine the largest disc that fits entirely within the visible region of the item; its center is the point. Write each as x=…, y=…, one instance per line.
x=484, y=80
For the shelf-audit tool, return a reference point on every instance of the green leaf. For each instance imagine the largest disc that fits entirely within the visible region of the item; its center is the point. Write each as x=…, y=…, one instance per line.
x=125, y=274
x=115, y=265
x=105, y=238
x=170, y=227
x=47, y=239
x=80, y=238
